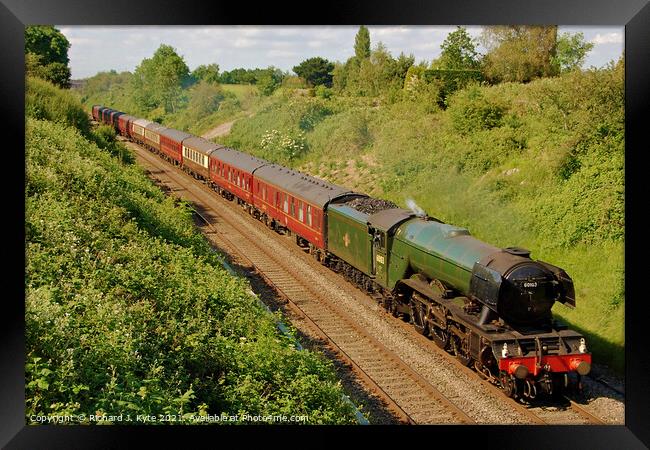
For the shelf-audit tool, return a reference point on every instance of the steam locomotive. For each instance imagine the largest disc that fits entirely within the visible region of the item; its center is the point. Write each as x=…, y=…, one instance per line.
x=489, y=307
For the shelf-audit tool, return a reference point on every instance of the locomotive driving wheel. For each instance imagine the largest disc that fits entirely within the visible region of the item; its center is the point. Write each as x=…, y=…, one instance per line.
x=418, y=315
x=459, y=352
x=440, y=337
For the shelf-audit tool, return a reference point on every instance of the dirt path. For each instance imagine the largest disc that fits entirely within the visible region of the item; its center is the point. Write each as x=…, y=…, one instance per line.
x=221, y=130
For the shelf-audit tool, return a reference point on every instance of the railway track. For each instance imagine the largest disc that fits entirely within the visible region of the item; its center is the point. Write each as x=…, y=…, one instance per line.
x=543, y=413
x=406, y=393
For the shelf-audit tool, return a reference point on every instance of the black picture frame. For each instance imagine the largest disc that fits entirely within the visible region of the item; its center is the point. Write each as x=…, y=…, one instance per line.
x=634, y=15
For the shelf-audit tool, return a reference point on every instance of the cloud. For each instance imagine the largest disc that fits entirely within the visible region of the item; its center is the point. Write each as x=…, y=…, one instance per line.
x=102, y=48
x=608, y=38
x=282, y=54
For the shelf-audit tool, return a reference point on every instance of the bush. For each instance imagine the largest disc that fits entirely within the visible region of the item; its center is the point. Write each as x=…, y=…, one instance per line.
x=128, y=310
x=45, y=101
x=471, y=111
x=323, y=91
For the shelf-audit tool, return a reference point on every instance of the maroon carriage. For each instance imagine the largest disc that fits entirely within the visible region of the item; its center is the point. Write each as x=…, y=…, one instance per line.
x=296, y=201
x=96, y=112
x=233, y=172
x=124, y=124
x=171, y=144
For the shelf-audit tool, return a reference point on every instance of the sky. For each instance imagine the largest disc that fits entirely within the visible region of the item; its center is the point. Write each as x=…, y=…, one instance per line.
x=102, y=48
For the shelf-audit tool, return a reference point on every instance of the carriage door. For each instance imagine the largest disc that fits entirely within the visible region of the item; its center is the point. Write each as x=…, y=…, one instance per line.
x=379, y=255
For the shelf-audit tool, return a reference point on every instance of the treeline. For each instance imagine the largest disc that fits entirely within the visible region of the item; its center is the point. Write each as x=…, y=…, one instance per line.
x=128, y=309
x=514, y=53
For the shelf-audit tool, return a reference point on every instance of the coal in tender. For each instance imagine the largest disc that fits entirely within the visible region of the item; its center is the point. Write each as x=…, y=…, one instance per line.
x=368, y=205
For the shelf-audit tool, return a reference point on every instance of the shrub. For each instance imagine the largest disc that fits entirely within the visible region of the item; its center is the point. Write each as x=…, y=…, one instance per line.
x=45, y=101
x=128, y=310
x=471, y=111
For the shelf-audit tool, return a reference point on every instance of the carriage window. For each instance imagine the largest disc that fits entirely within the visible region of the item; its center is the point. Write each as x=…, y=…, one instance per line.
x=293, y=207
x=309, y=215
x=301, y=216
x=286, y=204
x=264, y=192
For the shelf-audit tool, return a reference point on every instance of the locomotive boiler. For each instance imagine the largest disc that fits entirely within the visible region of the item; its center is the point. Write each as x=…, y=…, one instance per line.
x=488, y=306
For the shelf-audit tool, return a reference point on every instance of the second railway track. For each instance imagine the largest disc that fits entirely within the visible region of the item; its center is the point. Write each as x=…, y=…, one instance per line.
x=408, y=394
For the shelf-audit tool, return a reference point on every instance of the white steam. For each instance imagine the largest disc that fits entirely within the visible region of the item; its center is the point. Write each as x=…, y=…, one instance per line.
x=415, y=208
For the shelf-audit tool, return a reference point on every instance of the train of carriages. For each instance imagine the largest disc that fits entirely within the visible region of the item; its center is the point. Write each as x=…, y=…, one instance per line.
x=488, y=306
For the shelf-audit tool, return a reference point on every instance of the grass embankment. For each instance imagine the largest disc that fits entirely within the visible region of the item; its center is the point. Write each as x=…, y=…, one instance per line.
x=536, y=165
x=128, y=310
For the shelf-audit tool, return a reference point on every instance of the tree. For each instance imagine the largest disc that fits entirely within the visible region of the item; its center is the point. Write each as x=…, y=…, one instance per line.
x=376, y=74
x=316, y=71
x=269, y=80
x=571, y=51
x=209, y=73
x=402, y=65
x=458, y=52
x=205, y=98
x=362, y=43
x=519, y=53
x=159, y=81
x=46, y=54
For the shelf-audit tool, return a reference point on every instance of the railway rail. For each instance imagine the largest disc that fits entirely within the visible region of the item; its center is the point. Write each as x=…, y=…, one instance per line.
x=569, y=412
x=406, y=393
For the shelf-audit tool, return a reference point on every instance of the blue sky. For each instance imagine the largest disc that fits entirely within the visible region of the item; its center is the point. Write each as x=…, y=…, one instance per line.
x=102, y=48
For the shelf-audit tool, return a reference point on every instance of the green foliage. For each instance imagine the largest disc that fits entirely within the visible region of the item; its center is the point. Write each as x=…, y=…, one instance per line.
x=46, y=54
x=104, y=137
x=362, y=43
x=128, y=310
x=519, y=53
x=571, y=51
x=250, y=76
x=114, y=89
x=205, y=99
x=323, y=92
x=48, y=43
x=471, y=111
x=449, y=81
x=316, y=71
x=209, y=73
x=379, y=74
x=269, y=80
x=158, y=81
x=56, y=73
x=45, y=101
x=458, y=52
